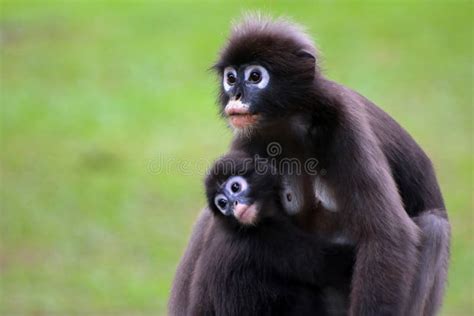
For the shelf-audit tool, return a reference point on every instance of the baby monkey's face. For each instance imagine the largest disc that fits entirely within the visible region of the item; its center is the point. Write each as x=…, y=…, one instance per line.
x=234, y=199
x=239, y=192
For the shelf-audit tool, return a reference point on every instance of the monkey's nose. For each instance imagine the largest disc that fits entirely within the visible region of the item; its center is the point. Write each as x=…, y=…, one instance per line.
x=238, y=96
x=236, y=203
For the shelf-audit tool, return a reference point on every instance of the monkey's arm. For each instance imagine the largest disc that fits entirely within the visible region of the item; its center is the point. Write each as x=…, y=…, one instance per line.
x=422, y=198
x=179, y=298
x=373, y=213
x=386, y=237
x=417, y=184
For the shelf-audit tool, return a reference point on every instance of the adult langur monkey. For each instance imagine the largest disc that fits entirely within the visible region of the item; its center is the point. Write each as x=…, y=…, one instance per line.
x=377, y=181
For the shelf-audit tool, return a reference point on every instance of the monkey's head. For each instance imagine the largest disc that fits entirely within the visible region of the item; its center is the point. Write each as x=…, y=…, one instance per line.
x=242, y=192
x=266, y=68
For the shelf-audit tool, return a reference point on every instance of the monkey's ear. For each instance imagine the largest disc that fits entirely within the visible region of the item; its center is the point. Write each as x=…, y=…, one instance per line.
x=306, y=54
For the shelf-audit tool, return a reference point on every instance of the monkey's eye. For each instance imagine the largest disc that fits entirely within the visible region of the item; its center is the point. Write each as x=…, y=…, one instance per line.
x=221, y=202
x=255, y=76
x=236, y=185
x=231, y=78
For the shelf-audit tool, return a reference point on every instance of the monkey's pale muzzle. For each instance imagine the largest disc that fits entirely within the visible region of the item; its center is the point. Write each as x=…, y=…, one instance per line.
x=239, y=115
x=246, y=214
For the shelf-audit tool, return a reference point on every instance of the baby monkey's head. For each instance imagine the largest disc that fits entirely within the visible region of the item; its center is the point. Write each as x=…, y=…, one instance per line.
x=243, y=190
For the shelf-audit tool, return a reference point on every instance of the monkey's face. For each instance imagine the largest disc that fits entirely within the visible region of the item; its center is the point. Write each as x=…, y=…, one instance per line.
x=254, y=94
x=245, y=89
x=240, y=193
x=234, y=199
x=266, y=71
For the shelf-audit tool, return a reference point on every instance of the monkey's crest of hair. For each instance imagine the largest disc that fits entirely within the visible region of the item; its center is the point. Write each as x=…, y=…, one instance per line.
x=254, y=24
x=259, y=36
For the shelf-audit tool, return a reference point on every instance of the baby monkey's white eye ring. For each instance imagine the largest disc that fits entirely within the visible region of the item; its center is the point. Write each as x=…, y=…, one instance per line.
x=236, y=185
x=229, y=78
x=257, y=75
x=221, y=202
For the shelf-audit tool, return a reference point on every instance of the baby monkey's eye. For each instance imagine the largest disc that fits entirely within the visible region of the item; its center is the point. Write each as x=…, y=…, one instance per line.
x=235, y=187
x=255, y=76
x=222, y=203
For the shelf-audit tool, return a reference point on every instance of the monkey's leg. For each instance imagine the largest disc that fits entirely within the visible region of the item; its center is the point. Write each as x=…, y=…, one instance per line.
x=428, y=287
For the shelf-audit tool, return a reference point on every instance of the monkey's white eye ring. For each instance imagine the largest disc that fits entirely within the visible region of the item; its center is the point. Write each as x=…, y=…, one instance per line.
x=235, y=185
x=221, y=202
x=257, y=75
x=229, y=78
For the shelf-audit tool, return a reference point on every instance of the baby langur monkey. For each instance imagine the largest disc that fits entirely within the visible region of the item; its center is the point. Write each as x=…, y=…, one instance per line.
x=255, y=260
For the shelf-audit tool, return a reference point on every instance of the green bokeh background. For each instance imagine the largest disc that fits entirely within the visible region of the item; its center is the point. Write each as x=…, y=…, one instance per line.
x=108, y=121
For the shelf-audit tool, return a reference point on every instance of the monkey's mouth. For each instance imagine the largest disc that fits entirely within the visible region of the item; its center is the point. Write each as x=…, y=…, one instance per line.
x=246, y=214
x=240, y=118
x=239, y=114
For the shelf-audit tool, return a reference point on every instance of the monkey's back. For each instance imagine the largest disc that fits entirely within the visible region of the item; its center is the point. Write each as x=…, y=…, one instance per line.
x=411, y=168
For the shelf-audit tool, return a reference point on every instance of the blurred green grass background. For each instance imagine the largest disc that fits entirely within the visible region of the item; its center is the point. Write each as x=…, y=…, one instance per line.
x=97, y=97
